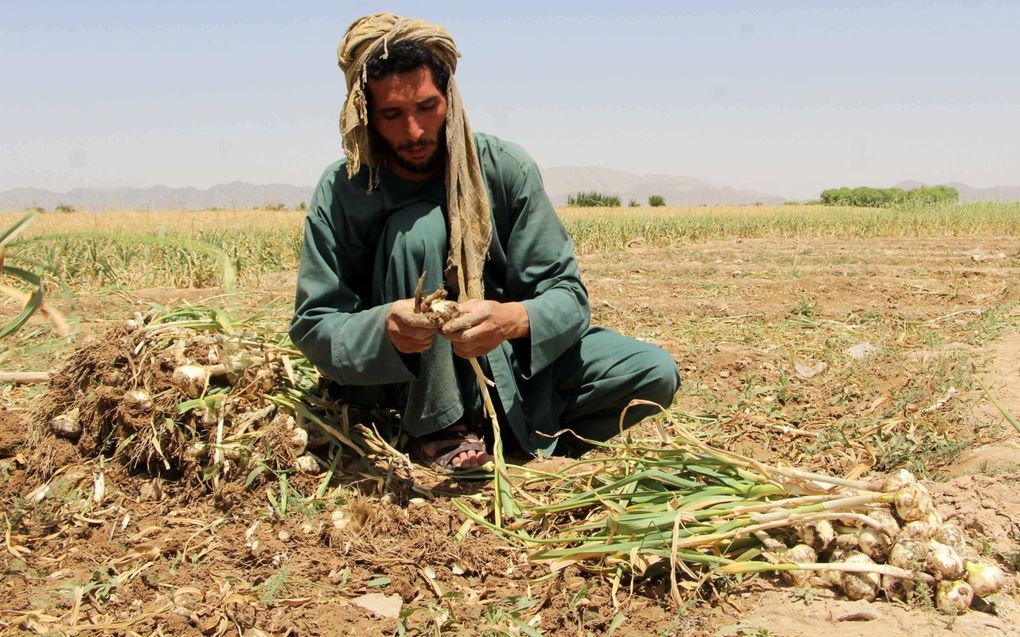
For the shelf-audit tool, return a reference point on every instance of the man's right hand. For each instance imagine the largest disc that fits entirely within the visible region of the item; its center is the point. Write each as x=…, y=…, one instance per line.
x=409, y=332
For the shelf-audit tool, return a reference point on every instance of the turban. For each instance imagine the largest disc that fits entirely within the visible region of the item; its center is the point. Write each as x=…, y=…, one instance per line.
x=467, y=200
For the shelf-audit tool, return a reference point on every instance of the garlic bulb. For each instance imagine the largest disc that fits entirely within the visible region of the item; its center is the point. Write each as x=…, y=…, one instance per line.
x=799, y=554
x=896, y=588
x=845, y=542
x=909, y=555
x=833, y=578
x=191, y=380
x=954, y=597
x=897, y=480
x=445, y=309
x=984, y=579
x=943, y=562
x=196, y=451
x=298, y=439
x=860, y=585
x=874, y=544
x=138, y=399
x=918, y=531
x=952, y=535
x=307, y=464
x=886, y=519
x=818, y=535
x=913, y=502
x=66, y=425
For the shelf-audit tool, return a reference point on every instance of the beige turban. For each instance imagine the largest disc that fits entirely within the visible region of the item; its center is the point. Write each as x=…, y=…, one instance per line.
x=467, y=199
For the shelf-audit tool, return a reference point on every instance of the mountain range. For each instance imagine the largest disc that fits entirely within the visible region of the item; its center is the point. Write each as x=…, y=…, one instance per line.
x=560, y=182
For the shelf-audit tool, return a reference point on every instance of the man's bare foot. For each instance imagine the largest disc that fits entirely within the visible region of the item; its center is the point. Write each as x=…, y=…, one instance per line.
x=455, y=448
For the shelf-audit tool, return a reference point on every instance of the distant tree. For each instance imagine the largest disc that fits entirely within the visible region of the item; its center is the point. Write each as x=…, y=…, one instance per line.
x=656, y=201
x=633, y=203
x=64, y=208
x=593, y=199
x=274, y=207
x=301, y=206
x=38, y=209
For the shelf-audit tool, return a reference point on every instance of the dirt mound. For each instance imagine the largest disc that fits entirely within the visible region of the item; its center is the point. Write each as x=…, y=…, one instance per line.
x=986, y=507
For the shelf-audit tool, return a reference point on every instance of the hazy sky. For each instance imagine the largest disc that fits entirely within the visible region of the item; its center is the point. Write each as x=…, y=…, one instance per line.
x=782, y=97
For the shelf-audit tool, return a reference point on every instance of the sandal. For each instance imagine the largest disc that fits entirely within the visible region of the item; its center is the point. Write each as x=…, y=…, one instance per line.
x=437, y=450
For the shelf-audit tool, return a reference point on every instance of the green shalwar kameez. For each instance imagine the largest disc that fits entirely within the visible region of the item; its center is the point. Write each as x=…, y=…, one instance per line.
x=363, y=251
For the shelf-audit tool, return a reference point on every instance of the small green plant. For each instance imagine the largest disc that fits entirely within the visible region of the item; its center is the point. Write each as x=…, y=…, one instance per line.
x=274, y=586
x=63, y=207
x=656, y=201
x=804, y=308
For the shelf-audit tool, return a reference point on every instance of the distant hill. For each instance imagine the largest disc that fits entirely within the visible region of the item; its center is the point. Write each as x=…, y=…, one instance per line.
x=236, y=194
x=559, y=182
x=970, y=193
x=677, y=190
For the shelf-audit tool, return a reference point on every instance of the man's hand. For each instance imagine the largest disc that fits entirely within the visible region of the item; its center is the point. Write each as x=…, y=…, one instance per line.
x=410, y=333
x=483, y=325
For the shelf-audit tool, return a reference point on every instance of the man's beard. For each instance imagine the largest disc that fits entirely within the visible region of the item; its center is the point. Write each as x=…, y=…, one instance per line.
x=427, y=167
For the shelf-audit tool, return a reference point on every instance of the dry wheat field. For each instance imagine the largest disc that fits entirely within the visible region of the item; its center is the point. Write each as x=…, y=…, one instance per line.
x=843, y=454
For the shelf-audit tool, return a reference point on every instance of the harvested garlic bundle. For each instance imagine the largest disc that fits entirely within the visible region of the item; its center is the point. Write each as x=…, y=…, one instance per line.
x=984, y=579
x=943, y=562
x=913, y=502
x=799, y=554
x=954, y=597
x=860, y=585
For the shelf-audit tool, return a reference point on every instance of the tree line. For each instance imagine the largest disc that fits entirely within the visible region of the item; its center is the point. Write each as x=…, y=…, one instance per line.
x=884, y=197
x=594, y=199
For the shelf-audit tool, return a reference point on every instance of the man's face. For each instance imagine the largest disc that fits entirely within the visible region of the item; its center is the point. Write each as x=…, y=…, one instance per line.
x=409, y=114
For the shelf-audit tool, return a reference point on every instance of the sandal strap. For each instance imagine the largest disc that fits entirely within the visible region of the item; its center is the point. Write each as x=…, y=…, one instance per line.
x=448, y=444
x=470, y=443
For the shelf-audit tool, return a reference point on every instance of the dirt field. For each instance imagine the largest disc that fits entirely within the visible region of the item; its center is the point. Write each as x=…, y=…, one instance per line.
x=833, y=354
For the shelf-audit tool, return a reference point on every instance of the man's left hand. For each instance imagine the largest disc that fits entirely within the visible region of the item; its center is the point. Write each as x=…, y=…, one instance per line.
x=483, y=325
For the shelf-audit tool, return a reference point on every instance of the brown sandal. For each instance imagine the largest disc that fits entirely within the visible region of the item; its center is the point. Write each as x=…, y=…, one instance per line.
x=446, y=445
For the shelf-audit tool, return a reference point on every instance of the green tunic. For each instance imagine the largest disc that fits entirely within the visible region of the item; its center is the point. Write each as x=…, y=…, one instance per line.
x=362, y=251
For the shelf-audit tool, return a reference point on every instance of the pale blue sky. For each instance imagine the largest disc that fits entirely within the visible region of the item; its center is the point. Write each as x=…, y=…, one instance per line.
x=781, y=97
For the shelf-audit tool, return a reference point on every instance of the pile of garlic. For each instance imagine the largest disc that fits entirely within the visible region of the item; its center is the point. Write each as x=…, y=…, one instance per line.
x=908, y=534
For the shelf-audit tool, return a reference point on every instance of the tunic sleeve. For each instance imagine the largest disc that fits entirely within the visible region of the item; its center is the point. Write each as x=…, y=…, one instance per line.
x=331, y=324
x=541, y=270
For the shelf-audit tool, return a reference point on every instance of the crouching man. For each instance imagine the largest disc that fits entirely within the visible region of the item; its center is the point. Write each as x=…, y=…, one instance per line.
x=419, y=193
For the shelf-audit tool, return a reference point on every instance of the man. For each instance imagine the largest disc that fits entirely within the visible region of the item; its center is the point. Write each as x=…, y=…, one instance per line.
x=420, y=194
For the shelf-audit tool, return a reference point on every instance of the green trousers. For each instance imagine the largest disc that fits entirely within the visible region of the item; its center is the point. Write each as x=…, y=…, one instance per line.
x=584, y=390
